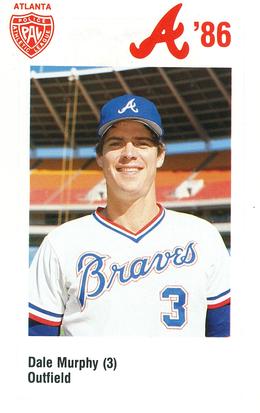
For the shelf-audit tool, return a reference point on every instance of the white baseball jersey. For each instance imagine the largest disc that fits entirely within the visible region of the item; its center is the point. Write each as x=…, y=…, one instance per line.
x=99, y=279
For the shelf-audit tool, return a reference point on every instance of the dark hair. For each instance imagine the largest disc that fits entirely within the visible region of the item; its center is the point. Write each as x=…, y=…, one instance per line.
x=158, y=142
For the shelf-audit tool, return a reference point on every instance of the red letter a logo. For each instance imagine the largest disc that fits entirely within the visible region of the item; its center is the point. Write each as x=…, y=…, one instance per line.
x=164, y=32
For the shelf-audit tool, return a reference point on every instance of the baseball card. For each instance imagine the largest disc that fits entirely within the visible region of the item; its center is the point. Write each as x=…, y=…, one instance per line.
x=130, y=205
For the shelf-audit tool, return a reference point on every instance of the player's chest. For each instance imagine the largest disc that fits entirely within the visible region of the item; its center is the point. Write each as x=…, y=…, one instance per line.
x=106, y=269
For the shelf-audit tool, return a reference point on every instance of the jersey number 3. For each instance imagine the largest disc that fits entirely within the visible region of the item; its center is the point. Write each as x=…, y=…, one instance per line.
x=178, y=298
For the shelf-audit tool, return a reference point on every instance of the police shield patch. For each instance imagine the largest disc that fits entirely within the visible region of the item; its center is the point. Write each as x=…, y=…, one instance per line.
x=31, y=32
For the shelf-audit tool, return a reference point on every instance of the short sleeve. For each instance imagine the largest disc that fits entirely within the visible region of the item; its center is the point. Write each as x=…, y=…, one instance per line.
x=47, y=292
x=218, y=291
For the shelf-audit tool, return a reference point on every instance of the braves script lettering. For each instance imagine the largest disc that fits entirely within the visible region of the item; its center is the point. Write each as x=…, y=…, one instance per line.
x=164, y=32
x=91, y=268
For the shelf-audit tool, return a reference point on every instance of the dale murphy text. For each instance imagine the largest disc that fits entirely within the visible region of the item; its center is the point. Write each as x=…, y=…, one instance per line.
x=45, y=375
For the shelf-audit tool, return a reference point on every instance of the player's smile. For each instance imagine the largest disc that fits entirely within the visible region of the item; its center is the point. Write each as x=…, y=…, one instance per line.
x=129, y=170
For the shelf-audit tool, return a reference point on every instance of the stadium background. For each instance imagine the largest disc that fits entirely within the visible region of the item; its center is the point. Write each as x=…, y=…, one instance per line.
x=65, y=181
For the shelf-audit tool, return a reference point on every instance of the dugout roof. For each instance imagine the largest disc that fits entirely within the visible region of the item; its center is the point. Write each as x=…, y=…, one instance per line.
x=195, y=103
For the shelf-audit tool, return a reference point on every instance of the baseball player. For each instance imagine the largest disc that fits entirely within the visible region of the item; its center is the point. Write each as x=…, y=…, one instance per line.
x=133, y=267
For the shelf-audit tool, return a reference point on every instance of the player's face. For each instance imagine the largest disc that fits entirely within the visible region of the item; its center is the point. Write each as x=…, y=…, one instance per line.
x=129, y=160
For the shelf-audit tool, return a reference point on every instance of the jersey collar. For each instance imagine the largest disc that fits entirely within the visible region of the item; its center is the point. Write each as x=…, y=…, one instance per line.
x=136, y=237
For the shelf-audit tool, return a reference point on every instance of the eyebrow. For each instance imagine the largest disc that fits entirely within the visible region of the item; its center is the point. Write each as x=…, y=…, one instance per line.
x=113, y=137
x=149, y=138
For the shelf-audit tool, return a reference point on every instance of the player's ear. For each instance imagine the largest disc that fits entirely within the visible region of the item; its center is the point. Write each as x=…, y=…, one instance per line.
x=161, y=156
x=99, y=159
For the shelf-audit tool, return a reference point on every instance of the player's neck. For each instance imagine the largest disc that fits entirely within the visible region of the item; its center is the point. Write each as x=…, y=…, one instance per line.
x=133, y=216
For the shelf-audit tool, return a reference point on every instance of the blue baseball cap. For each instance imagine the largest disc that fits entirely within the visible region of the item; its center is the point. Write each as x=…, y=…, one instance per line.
x=130, y=107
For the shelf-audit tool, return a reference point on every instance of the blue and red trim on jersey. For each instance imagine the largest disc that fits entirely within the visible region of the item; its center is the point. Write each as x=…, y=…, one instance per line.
x=44, y=317
x=219, y=300
x=133, y=236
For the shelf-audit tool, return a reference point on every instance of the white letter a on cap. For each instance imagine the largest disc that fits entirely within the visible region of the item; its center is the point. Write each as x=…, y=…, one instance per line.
x=130, y=105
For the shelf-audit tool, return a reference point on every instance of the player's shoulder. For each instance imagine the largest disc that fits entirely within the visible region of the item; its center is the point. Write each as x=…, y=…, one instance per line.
x=69, y=229
x=190, y=221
